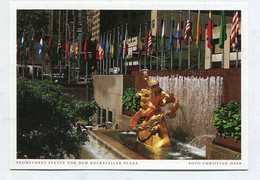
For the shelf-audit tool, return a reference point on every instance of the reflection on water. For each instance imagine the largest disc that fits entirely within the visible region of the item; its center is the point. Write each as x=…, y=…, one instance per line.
x=177, y=151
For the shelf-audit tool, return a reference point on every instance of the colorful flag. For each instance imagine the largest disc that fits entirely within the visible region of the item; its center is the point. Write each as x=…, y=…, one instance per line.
x=157, y=38
x=68, y=42
x=140, y=44
x=170, y=37
x=223, y=33
x=150, y=43
x=187, y=35
x=234, y=30
x=112, y=50
x=146, y=40
x=22, y=47
x=199, y=31
x=59, y=46
x=85, y=49
x=178, y=36
x=163, y=36
x=209, y=31
x=125, y=43
x=97, y=50
x=107, y=46
x=72, y=51
x=41, y=47
x=77, y=50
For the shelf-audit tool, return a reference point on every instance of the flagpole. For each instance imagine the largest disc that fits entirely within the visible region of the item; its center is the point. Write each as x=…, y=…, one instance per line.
x=109, y=53
x=157, y=41
x=150, y=53
x=162, y=48
x=180, y=54
x=107, y=56
x=189, y=44
x=114, y=39
x=118, y=43
x=23, y=59
x=172, y=42
x=145, y=45
x=122, y=51
x=140, y=32
x=126, y=38
x=32, y=56
x=199, y=57
x=236, y=57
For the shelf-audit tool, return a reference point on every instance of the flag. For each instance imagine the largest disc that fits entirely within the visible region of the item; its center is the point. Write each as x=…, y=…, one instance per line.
x=41, y=47
x=118, y=43
x=178, y=36
x=59, y=46
x=234, y=30
x=223, y=33
x=68, y=42
x=85, y=49
x=22, y=47
x=146, y=40
x=112, y=51
x=76, y=50
x=103, y=44
x=157, y=38
x=97, y=50
x=170, y=37
x=187, y=34
x=209, y=31
x=150, y=43
x=163, y=36
x=17, y=50
x=199, y=31
x=72, y=50
x=107, y=46
x=32, y=45
x=125, y=43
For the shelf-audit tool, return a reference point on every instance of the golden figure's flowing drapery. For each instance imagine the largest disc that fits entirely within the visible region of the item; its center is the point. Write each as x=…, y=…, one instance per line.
x=153, y=129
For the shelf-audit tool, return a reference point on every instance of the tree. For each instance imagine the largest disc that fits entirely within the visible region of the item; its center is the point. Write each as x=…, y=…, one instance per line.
x=47, y=121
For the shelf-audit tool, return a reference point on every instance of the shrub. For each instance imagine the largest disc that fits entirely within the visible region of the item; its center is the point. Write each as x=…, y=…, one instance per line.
x=46, y=121
x=130, y=101
x=227, y=120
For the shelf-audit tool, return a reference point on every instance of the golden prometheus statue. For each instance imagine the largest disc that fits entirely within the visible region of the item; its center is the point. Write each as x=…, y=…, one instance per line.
x=153, y=129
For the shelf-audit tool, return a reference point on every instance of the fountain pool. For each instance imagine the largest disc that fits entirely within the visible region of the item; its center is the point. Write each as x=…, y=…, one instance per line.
x=132, y=149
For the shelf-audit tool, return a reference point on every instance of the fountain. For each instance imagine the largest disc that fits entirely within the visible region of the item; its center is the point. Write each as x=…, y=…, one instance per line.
x=198, y=97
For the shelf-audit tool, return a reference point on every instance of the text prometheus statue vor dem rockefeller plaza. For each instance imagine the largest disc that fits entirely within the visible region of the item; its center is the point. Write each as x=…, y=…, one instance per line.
x=153, y=129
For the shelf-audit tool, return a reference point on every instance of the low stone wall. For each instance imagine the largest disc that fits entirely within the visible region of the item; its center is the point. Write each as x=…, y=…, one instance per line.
x=108, y=93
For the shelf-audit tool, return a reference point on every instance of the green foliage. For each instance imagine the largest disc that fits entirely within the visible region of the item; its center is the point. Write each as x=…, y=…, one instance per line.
x=46, y=121
x=130, y=101
x=227, y=120
x=86, y=110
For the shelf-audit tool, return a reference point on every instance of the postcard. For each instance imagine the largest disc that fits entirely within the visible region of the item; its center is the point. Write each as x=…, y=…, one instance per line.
x=129, y=86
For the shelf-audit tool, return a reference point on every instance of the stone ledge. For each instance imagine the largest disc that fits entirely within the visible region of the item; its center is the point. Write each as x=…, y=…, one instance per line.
x=214, y=151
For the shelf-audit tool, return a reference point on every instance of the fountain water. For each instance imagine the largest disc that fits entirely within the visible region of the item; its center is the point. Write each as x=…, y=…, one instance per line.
x=198, y=98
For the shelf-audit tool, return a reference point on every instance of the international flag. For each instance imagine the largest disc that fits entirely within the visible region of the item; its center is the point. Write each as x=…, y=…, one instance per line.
x=125, y=43
x=107, y=46
x=97, y=49
x=209, y=31
x=103, y=44
x=146, y=41
x=68, y=42
x=22, y=46
x=199, y=31
x=234, y=30
x=32, y=44
x=178, y=36
x=223, y=33
x=85, y=49
x=72, y=50
x=77, y=50
x=157, y=38
x=112, y=50
x=170, y=37
x=41, y=47
x=163, y=36
x=187, y=35
x=17, y=48
x=150, y=43
x=59, y=46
